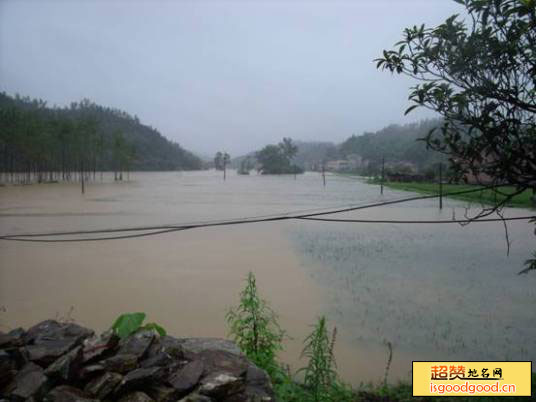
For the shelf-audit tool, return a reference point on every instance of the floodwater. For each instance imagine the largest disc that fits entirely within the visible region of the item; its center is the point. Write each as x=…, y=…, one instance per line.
x=435, y=292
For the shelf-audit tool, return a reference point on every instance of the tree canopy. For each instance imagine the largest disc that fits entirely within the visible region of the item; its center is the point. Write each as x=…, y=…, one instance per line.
x=221, y=159
x=394, y=143
x=276, y=159
x=35, y=138
x=479, y=73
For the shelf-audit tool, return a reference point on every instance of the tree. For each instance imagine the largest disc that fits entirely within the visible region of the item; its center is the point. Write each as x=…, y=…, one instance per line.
x=39, y=143
x=479, y=73
x=480, y=76
x=276, y=159
x=226, y=159
x=218, y=161
x=289, y=148
x=273, y=160
x=119, y=151
x=245, y=166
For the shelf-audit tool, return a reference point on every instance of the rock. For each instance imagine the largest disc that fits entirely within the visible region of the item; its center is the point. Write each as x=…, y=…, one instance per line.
x=141, y=367
x=248, y=397
x=49, y=340
x=221, y=385
x=47, y=351
x=53, y=330
x=66, y=367
x=136, y=344
x=223, y=361
x=12, y=339
x=29, y=382
x=8, y=367
x=161, y=359
x=162, y=394
x=90, y=371
x=44, y=328
x=19, y=356
x=195, y=397
x=97, y=346
x=187, y=378
x=138, y=378
x=66, y=393
x=136, y=397
x=169, y=345
x=193, y=346
x=120, y=363
x=104, y=385
x=258, y=385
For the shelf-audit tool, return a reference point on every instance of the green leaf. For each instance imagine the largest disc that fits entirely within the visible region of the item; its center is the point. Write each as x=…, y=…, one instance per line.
x=155, y=327
x=409, y=109
x=127, y=324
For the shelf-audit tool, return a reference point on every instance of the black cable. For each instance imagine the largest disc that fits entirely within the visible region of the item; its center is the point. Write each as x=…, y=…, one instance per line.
x=517, y=218
x=92, y=238
x=171, y=228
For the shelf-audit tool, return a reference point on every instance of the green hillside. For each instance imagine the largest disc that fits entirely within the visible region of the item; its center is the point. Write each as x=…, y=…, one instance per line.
x=83, y=136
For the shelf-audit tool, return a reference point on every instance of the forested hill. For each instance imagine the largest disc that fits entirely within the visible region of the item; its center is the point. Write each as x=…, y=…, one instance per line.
x=311, y=153
x=33, y=135
x=395, y=143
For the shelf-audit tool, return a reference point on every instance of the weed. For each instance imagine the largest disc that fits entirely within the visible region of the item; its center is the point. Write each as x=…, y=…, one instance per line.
x=255, y=329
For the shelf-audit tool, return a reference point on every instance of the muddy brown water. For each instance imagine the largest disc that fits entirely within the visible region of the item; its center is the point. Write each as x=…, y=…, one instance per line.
x=442, y=293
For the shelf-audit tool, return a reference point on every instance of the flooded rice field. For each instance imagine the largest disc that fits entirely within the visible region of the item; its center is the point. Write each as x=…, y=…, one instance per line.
x=436, y=292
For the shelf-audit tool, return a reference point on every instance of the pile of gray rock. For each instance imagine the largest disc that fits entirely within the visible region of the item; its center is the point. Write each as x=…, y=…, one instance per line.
x=65, y=362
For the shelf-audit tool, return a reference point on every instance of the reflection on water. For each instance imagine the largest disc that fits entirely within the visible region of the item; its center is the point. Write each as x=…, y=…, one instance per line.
x=435, y=292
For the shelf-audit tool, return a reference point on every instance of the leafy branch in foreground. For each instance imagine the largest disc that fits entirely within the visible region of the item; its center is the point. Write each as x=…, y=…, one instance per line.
x=478, y=74
x=254, y=327
x=129, y=323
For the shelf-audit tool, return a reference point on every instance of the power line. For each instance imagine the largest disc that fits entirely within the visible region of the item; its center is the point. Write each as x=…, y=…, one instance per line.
x=459, y=221
x=157, y=230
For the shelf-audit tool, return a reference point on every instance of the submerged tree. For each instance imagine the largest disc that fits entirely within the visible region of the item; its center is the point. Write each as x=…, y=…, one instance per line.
x=276, y=159
x=289, y=148
x=218, y=161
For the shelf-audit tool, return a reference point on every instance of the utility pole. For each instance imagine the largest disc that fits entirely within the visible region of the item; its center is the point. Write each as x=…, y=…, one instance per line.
x=440, y=186
x=383, y=175
x=324, y=174
x=224, y=168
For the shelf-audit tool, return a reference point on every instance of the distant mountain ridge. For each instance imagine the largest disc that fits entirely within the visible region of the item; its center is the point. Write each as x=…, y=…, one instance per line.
x=397, y=144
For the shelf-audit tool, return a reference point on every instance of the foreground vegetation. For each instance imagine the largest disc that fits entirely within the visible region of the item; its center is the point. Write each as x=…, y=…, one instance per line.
x=488, y=197
x=254, y=327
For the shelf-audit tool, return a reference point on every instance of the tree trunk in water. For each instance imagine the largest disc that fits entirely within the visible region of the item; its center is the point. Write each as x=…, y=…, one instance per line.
x=82, y=176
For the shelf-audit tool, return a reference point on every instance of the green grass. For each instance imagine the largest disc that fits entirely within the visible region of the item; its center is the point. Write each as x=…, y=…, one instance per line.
x=488, y=197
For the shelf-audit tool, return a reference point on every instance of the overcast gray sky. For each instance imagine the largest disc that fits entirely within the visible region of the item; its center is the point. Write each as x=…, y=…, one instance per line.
x=218, y=75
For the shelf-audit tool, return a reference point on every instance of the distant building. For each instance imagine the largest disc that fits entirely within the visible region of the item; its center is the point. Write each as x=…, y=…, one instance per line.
x=402, y=167
x=340, y=165
x=357, y=161
x=481, y=178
